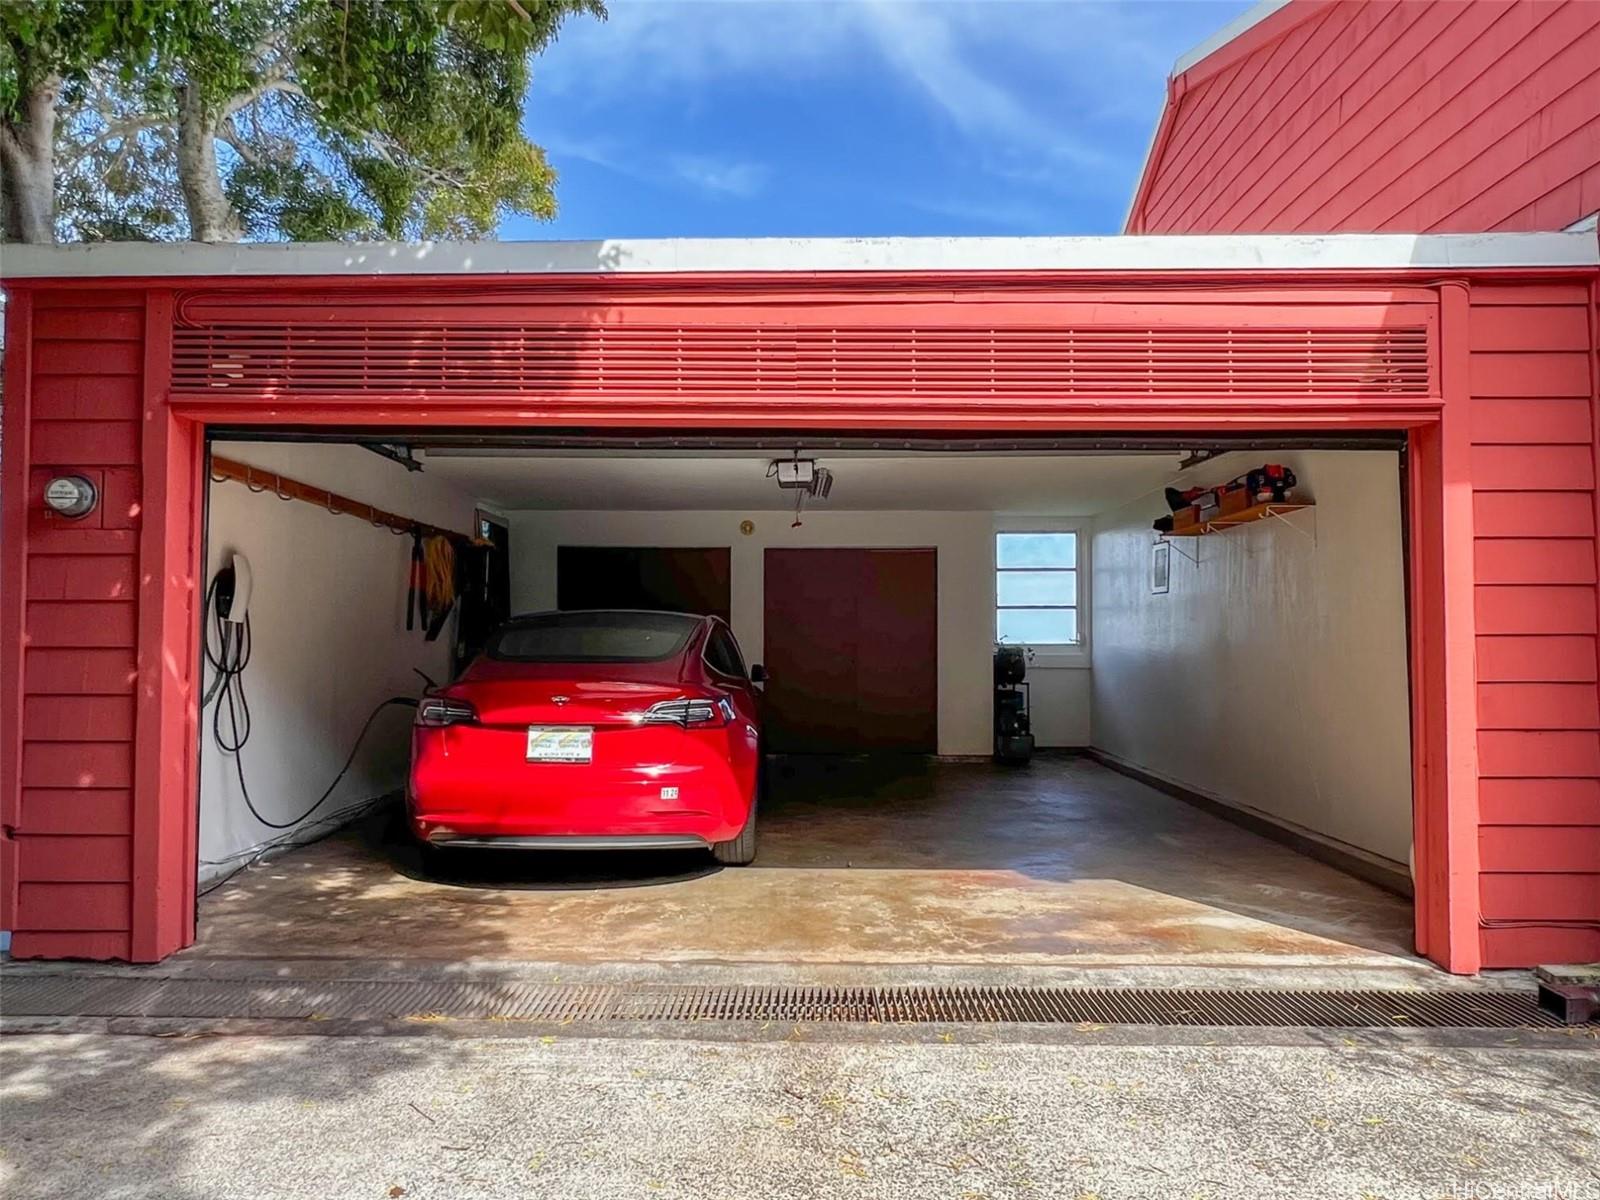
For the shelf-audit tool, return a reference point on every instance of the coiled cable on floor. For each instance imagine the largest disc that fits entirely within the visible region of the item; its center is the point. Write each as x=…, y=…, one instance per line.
x=227, y=649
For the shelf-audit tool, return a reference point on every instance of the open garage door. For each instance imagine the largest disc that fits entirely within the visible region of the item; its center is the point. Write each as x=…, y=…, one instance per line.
x=1222, y=767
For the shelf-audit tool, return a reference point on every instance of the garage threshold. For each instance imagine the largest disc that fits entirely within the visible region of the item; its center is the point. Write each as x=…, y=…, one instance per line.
x=266, y=992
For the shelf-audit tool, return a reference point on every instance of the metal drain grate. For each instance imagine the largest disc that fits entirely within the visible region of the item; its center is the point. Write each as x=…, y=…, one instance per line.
x=64, y=996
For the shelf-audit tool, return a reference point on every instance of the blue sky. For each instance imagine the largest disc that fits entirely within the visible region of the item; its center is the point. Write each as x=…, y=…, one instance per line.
x=744, y=118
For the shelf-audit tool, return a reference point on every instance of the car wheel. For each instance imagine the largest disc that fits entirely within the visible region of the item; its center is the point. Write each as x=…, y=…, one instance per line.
x=741, y=850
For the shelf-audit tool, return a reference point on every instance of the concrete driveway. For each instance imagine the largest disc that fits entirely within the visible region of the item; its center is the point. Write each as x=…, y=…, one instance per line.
x=804, y=1113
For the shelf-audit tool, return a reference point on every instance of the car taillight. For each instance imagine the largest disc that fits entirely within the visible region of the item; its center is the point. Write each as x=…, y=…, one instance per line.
x=436, y=711
x=698, y=713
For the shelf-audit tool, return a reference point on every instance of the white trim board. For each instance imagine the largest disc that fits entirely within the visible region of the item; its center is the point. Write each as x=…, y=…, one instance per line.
x=1252, y=253
x=1241, y=24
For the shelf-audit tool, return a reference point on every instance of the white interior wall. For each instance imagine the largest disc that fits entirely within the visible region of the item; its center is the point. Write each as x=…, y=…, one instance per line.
x=1061, y=702
x=964, y=540
x=1272, y=675
x=328, y=626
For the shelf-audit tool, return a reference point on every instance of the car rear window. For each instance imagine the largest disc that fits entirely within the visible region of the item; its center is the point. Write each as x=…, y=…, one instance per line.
x=617, y=637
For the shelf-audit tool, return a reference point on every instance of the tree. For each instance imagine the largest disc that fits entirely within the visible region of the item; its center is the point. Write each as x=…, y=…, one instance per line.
x=48, y=48
x=311, y=119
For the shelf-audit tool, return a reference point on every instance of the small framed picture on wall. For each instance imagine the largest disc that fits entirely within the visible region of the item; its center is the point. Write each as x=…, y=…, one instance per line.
x=1160, y=568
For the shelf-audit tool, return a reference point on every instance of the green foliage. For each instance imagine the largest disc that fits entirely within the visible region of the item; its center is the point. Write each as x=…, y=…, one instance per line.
x=334, y=119
x=67, y=39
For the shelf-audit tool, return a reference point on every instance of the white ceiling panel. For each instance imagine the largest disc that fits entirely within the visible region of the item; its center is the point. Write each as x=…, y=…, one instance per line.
x=1066, y=484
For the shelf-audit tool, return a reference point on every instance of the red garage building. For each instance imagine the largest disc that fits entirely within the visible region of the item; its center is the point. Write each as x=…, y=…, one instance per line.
x=1470, y=356
x=1478, y=351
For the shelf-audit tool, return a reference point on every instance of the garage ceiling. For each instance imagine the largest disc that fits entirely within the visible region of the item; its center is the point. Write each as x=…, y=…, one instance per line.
x=1065, y=485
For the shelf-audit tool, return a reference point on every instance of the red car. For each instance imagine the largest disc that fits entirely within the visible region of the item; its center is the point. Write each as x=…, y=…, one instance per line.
x=609, y=730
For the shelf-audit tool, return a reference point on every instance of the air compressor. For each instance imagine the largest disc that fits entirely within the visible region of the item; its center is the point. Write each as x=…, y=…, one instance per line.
x=1013, y=728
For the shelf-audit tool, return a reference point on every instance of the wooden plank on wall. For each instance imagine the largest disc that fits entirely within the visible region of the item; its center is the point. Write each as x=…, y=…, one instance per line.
x=77, y=764
x=1525, y=944
x=1525, y=896
x=66, y=907
x=1540, y=801
x=1532, y=468
x=1547, y=753
x=1541, y=849
x=1534, y=514
x=1538, y=706
x=72, y=718
x=1536, y=660
x=1534, y=608
x=1531, y=422
x=75, y=858
x=80, y=672
x=1535, y=560
x=76, y=811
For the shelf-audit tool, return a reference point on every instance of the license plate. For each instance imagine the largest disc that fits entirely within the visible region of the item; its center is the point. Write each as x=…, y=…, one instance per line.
x=566, y=743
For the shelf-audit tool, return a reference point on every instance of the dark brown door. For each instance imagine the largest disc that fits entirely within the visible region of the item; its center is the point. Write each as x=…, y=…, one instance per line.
x=692, y=580
x=851, y=651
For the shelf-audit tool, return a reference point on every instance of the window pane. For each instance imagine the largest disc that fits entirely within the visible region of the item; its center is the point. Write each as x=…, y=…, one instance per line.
x=1036, y=550
x=593, y=637
x=1037, y=587
x=1037, y=626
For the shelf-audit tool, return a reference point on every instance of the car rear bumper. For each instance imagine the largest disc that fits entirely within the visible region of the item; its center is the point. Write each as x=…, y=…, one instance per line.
x=634, y=841
x=475, y=784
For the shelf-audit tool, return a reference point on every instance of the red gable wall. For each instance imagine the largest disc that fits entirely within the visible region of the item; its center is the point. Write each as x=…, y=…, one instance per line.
x=1428, y=116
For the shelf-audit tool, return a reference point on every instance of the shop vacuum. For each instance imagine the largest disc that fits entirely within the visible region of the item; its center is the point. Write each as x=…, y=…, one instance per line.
x=1013, y=731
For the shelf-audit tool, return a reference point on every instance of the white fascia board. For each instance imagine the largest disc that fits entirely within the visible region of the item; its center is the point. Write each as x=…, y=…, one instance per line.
x=1587, y=225
x=1245, y=253
x=1240, y=24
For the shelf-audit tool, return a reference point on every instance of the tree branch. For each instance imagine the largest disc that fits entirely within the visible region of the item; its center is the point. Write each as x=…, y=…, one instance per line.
x=228, y=133
x=273, y=83
x=268, y=44
x=112, y=131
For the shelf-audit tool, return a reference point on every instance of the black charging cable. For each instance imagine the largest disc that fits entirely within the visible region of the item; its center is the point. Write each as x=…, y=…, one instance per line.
x=227, y=649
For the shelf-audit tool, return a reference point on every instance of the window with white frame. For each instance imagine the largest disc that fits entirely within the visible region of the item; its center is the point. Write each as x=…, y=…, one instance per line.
x=1036, y=588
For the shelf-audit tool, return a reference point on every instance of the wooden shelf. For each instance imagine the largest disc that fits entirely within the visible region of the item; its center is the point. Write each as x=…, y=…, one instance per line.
x=1247, y=516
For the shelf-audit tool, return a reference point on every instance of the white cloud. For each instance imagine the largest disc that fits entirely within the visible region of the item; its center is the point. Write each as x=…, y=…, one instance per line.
x=928, y=44
x=742, y=179
x=965, y=60
x=1043, y=95
x=651, y=45
x=706, y=173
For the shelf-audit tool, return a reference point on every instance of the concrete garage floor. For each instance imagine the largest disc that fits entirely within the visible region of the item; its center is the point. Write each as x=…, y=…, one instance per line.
x=863, y=861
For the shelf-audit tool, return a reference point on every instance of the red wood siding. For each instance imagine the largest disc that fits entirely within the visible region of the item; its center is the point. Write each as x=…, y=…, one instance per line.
x=1376, y=116
x=1536, y=603
x=98, y=655
x=69, y=886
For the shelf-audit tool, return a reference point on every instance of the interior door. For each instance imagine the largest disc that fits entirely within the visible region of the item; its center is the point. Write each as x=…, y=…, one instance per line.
x=851, y=651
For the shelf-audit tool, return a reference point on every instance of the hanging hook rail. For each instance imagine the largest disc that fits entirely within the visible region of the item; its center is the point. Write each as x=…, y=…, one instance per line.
x=224, y=469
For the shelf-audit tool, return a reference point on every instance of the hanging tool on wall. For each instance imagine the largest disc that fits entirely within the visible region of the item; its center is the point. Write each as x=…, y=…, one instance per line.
x=414, y=597
x=439, y=582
